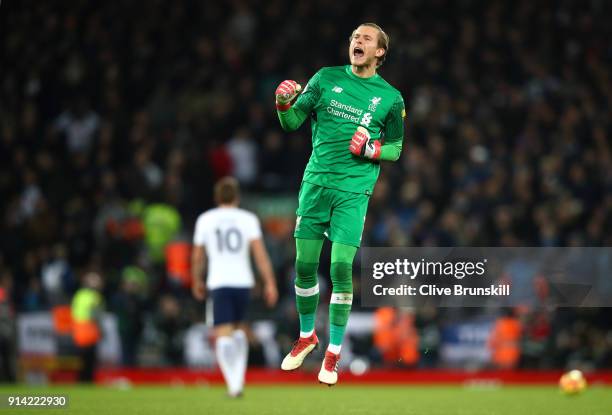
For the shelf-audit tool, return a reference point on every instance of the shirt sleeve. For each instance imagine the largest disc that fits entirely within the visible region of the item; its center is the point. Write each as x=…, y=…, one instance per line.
x=291, y=119
x=394, y=123
x=391, y=151
x=309, y=98
x=199, y=235
x=254, y=229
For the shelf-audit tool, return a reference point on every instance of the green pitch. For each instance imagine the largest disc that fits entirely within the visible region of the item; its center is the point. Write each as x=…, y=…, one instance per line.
x=320, y=400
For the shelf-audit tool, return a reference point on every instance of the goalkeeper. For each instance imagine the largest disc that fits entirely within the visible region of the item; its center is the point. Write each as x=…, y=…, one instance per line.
x=357, y=121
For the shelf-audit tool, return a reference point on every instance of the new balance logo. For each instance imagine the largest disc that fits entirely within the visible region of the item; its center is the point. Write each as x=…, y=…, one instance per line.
x=337, y=89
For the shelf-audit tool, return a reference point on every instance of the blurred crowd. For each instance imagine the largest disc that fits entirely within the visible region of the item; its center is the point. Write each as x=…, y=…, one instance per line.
x=117, y=118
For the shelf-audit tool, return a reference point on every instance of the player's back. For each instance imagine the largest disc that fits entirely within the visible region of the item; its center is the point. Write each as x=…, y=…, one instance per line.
x=226, y=233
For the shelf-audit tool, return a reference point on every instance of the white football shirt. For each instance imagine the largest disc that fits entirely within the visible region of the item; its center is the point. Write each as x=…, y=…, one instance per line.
x=226, y=233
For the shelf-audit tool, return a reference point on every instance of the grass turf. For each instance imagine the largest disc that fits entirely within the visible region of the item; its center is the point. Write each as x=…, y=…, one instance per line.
x=320, y=400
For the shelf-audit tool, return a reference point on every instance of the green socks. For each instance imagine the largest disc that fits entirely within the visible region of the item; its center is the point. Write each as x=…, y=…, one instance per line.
x=306, y=283
x=340, y=303
x=336, y=334
x=307, y=288
x=307, y=324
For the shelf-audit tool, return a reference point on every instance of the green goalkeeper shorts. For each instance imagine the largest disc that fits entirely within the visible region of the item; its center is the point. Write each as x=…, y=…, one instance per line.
x=324, y=212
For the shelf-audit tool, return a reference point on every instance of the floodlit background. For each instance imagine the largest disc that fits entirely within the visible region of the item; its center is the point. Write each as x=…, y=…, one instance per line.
x=117, y=117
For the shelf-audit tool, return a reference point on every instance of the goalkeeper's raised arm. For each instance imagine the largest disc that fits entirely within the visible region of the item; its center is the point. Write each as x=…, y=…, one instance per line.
x=290, y=118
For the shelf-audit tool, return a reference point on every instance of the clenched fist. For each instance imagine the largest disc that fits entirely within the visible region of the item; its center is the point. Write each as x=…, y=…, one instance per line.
x=363, y=146
x=285, y=93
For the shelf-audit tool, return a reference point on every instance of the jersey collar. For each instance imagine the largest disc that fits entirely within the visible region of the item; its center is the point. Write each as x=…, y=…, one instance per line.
x=348, y=70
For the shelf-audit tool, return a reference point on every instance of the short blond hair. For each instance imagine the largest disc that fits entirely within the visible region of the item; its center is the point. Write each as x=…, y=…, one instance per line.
x=227, y=190
x=383, y=40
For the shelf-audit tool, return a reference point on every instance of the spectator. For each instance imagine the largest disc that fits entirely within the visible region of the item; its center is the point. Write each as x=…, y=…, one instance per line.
x=87, y=305
x=7, y=329
x=79, y=124
x=243, y=153
x=129, y=306
x=171, y=326
x=504, y=341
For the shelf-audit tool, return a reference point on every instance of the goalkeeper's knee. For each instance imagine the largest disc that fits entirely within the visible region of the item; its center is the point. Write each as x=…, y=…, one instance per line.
x=342, y=277
x=306, y=274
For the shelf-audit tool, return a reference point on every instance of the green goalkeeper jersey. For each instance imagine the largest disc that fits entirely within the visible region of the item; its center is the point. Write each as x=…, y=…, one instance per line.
x=339, y=101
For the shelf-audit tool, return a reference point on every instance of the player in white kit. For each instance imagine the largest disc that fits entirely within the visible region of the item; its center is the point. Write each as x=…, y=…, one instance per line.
x=224, y=238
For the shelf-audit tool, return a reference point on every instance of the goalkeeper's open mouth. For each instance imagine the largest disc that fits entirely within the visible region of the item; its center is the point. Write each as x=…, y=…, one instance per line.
x=358, y=52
